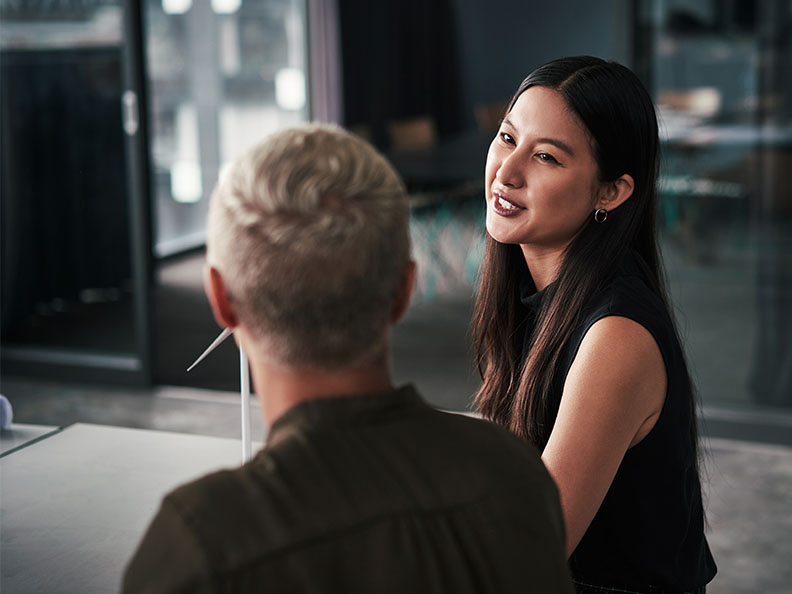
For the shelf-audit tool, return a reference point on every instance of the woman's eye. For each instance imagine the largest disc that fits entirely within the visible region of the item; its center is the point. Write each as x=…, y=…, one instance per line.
x=547, y=157
x=507, y=138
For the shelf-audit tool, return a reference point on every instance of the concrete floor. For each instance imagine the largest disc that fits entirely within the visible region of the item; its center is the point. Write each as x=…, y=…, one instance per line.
x=748, y=498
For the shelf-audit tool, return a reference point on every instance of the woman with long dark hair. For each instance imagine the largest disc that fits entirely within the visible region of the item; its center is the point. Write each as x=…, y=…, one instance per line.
x=575, y=341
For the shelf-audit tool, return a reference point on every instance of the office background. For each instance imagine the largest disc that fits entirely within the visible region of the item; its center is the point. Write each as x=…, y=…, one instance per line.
x=118, y=115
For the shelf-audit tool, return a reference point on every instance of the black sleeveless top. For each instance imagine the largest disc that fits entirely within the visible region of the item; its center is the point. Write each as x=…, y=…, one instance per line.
x=649, y=530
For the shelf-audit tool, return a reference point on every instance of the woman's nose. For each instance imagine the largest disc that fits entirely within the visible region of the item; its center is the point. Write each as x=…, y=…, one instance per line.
x=511, y=171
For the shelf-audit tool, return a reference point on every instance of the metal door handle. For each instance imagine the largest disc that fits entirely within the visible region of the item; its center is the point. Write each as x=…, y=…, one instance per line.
x=129, y=112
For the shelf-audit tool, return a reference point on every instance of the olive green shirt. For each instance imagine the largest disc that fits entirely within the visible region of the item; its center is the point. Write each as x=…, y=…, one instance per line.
x=375, y=493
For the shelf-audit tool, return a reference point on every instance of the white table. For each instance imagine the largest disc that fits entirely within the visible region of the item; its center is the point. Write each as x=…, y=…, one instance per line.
x=20, y=434
x=74, y=505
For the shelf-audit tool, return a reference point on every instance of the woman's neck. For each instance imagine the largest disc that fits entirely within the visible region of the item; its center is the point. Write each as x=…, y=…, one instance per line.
x=543, y=264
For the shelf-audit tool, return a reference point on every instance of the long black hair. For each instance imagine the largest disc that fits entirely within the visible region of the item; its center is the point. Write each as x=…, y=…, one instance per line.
x=619, y=115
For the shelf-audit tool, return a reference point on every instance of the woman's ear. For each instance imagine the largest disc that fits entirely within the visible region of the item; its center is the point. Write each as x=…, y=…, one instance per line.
x=215, y=289
x=615, y=193
x=405, y=292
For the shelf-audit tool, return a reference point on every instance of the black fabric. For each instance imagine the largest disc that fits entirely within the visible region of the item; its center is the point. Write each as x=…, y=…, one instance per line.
x=377, y=493
x=649, y=530
x=583, y=588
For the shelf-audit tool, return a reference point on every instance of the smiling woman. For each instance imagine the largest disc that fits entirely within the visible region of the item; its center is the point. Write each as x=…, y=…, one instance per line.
x=577, y=350
x=542, y=180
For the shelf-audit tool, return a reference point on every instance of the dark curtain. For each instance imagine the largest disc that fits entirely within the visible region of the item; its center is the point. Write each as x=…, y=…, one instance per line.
x=400, y=60
x=62, y=172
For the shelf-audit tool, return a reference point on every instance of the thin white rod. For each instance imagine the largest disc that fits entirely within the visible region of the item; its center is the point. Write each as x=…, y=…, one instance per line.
x=216, y=343
x=244, y=382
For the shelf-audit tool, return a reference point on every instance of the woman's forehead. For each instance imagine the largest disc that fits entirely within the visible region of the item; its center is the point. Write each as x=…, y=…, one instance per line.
x=545, y=111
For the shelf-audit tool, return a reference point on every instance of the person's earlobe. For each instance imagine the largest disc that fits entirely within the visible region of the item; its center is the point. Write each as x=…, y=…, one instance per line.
x=616, y=192
x=216, y=293
x=405, y=292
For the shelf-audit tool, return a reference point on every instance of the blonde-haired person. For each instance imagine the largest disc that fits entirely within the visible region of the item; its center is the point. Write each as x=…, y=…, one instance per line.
x=309, y=232
x=362, y=487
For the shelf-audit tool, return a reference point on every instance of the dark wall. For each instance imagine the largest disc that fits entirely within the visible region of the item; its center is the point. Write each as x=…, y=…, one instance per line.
x=504, y=40
x=403, y=58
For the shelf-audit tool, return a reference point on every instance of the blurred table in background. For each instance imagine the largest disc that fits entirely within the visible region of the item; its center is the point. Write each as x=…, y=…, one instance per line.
x=445, y=181
x=447, y=164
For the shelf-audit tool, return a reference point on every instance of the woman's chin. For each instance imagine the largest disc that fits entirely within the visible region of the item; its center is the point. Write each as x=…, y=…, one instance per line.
x=499, y=233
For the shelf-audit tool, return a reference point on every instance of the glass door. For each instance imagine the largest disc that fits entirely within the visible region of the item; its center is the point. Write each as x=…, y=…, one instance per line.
x=75, y=245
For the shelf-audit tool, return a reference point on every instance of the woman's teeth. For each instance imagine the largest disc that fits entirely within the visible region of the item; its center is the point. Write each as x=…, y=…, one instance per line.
x=505, y=204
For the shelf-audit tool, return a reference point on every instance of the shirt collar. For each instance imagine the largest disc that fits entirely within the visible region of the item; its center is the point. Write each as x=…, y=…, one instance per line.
x=630, y=264
x=345, y=410
x=529, y=296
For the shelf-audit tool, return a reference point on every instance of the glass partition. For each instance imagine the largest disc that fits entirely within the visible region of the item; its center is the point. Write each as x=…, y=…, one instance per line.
x=719, y=71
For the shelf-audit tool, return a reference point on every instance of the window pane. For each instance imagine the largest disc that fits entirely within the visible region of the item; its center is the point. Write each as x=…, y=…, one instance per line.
x=222, y=75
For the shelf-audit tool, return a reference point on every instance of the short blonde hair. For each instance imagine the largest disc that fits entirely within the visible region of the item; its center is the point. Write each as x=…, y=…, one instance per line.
x=310, y=232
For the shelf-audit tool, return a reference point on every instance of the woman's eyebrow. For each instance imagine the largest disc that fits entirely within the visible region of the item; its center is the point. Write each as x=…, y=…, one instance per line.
x=557, y=143
x=554, y=141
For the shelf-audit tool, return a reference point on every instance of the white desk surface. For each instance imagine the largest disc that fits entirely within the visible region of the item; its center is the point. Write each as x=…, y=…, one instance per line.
x=19, y=434
x=74, y=505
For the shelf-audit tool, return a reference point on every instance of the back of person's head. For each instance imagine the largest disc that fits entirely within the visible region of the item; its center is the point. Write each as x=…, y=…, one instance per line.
x=310, y=232
x=619, y=116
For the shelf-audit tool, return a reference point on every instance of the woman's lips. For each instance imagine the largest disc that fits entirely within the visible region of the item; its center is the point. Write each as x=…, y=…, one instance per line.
x=503, y=207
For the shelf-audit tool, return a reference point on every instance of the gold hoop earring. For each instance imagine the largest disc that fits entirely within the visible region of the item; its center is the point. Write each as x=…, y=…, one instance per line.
x=600, y=215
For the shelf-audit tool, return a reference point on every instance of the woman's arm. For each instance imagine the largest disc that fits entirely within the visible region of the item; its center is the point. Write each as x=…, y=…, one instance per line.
x=612, y=397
